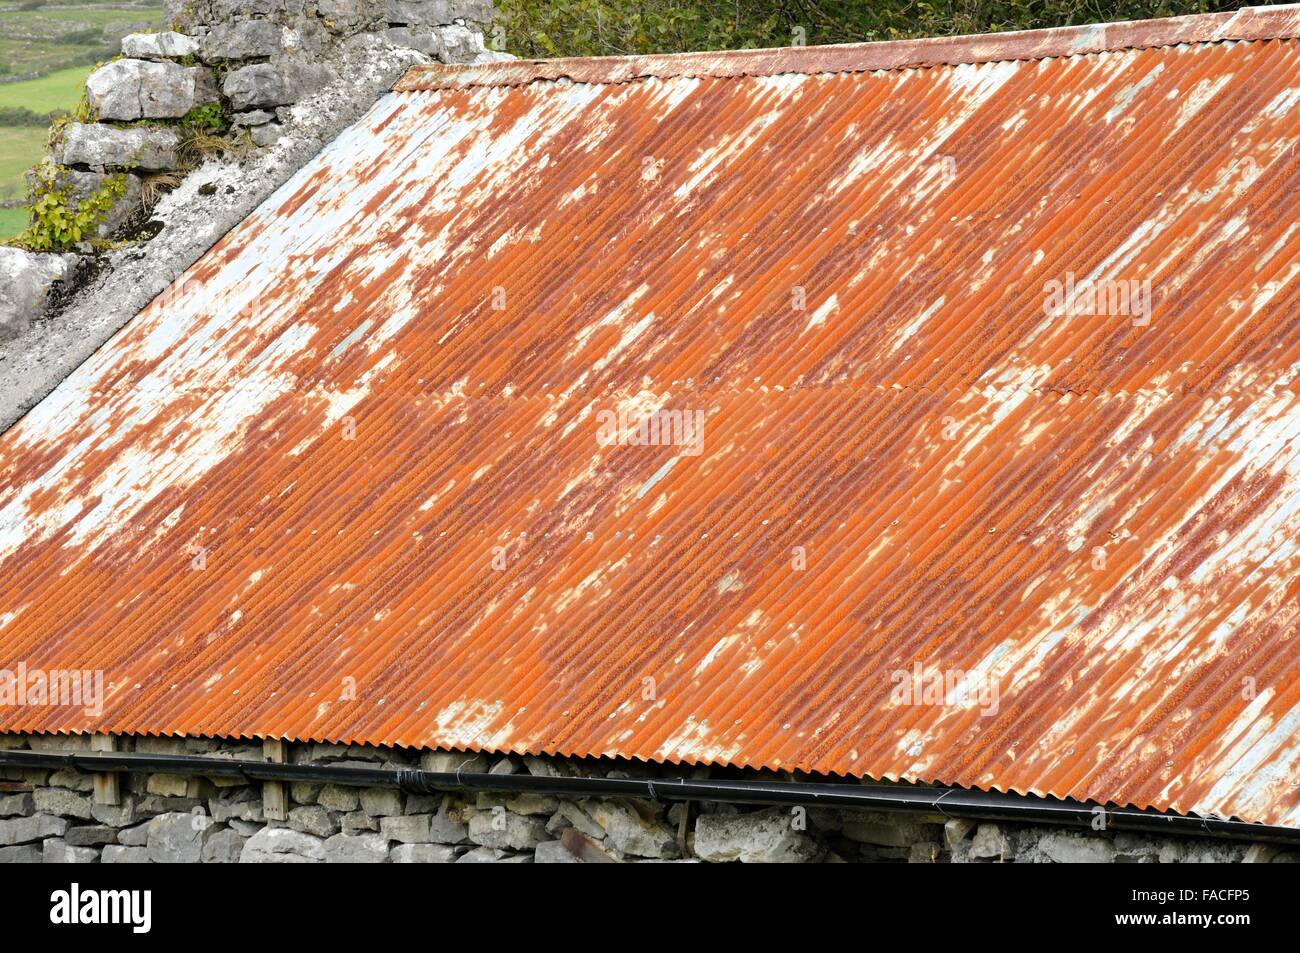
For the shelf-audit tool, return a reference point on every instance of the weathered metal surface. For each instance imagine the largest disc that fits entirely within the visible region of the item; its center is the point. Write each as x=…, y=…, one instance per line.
x=350, y=479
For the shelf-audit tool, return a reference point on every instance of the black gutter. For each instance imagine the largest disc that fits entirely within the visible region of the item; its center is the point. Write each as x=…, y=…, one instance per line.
x=949, y=802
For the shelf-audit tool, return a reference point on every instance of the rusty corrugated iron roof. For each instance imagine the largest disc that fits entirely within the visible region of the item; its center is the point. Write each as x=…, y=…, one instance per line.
x=380, y=467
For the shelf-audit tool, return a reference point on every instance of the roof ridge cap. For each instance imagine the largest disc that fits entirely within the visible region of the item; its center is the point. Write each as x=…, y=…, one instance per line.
x=1247, y=23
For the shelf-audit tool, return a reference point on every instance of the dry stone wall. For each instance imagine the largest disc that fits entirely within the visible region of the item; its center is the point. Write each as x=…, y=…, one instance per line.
x=52, y=817
x=222, y=81
x=252, y=58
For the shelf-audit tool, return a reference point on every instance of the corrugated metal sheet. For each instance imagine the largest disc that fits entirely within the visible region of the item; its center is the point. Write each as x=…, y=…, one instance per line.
x=345, y=481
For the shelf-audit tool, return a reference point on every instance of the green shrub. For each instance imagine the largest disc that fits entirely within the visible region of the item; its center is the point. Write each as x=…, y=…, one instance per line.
x=207, y=118
x=83, y=111
x=55, y=219
x=598, y=27
x=20, y=116
x=93, y=35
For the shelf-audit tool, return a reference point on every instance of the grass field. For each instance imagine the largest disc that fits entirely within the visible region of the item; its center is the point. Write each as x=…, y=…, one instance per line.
x=17, y=144
x=60, y=40
x=58, y=35
x=12, y=221
x=58, y=90
x=20, y=147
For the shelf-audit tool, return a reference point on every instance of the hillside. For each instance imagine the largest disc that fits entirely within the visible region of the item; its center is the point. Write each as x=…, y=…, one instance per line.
x=46, y=50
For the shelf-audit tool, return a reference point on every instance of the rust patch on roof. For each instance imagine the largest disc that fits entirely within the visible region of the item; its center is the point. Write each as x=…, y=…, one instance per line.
x=933, y=423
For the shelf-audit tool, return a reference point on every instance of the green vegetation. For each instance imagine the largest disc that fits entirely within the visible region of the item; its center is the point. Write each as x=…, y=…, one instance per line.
x=206, y=118
x=15, y=145
x=56, y=91
x=543, y=28
x=58, y=41
x=56, y=220
x=54, y=36
x=19, y=149
x=12, y=221
x=17, y=116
